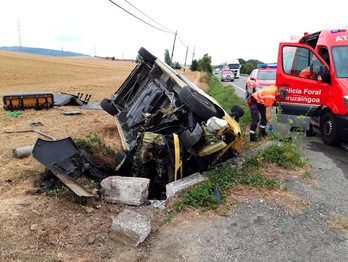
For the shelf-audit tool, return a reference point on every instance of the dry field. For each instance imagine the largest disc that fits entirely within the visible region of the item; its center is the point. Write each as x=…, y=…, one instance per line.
x=35, y=227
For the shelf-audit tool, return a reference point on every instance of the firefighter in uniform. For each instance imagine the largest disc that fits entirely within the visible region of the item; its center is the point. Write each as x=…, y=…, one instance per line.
x=260, y=104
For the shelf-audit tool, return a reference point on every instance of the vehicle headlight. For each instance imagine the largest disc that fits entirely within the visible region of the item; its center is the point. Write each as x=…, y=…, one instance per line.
x=345, y=100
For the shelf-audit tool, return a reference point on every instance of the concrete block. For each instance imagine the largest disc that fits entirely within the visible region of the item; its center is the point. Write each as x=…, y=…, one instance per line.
x=180, y=185
x=125, y=190
x=130, y=228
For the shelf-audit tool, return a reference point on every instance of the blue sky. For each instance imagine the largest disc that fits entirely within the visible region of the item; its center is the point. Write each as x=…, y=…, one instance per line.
x=225, y=30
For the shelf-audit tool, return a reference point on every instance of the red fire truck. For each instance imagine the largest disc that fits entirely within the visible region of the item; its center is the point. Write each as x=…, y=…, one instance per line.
x=314, y=70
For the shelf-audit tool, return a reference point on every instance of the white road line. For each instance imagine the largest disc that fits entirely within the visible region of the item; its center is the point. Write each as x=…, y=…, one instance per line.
x=239, y=88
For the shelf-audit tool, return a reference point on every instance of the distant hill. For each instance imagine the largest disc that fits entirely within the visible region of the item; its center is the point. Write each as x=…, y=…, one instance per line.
x=40, y=51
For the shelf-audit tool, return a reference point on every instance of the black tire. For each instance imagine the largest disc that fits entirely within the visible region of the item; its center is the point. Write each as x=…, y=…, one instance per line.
x=198, y=104
x=108, y=107
x=328, y=130
x=238, y=109
x=147, y=56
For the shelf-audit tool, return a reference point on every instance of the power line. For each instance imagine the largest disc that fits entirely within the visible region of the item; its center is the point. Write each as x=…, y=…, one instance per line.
x=140, y=18
x=167, y=30
x=148, y=16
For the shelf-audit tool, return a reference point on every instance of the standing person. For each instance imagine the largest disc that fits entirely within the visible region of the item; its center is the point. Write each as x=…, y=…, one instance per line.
x=260, y=104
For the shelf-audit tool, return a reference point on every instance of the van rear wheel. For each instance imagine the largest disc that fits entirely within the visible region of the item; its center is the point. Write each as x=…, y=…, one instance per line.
x=328, y=130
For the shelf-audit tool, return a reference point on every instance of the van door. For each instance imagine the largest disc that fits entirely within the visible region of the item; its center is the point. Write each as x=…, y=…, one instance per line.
x=298, y=71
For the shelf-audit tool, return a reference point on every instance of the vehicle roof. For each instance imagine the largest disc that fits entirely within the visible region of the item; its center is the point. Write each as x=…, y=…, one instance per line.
x=329, y=37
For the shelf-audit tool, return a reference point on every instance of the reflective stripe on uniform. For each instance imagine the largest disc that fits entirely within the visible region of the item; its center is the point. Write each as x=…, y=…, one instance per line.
x=266, y=96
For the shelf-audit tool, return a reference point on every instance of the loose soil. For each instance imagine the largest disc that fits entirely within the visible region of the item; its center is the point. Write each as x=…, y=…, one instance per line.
x=38, y=227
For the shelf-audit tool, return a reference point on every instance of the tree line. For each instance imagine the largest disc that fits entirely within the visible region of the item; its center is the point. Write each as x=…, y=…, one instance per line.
x=204, y=64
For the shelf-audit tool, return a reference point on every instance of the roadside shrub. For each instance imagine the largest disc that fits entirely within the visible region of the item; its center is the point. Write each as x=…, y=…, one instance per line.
x=284, y=155
x=96, y=148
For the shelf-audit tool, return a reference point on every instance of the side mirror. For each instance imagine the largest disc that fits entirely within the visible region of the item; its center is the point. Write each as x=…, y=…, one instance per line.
x=324, y=73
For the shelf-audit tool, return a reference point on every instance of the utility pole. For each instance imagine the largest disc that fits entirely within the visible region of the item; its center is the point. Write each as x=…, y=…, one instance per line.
x=171, y=59
x=193, y=53
x=185, y=59
x=19, y=36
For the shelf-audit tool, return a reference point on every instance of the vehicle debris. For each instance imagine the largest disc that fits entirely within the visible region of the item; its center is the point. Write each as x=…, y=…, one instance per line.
x=164, y=123
x=63, y=99
x=65, y=160
x=27, y=150
x=22, y=101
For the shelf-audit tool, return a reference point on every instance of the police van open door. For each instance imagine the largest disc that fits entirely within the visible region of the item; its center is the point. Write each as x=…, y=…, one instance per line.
x=312, y=90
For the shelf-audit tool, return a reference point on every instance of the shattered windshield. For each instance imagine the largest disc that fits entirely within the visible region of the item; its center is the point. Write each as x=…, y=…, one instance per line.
x=340, y=59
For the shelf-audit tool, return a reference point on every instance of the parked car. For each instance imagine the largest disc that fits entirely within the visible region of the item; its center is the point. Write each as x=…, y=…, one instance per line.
x=227, y=75
x=169, y=127
x=263, y=75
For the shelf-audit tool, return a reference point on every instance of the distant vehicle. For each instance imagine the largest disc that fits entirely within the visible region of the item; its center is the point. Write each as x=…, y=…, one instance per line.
x=234, y=66
x=263, y=75
x=227, y=75
x=217, y=71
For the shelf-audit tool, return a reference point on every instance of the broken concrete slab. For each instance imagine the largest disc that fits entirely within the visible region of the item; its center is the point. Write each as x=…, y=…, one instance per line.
x=125, y=190
x=130, y=228
x=180, y=185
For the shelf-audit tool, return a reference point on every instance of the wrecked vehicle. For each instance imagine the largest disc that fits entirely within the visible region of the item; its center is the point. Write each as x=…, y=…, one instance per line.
x=169, y=127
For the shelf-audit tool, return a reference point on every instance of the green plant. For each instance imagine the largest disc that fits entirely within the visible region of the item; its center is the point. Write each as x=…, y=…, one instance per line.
x=95, y=147
x=258, y=180
x=284, y=155
x=169, y=218
x=308, y=174
x=199, y=196
x=221, y=179
x=204, y=64
x=59, y=191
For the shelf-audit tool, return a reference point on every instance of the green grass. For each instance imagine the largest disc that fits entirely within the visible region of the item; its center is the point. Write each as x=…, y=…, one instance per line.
x=286, y=155
x=93, y=145
x=225, y=95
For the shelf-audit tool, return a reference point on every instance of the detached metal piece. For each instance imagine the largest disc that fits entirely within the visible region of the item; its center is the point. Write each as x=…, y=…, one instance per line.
x=56, y=156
